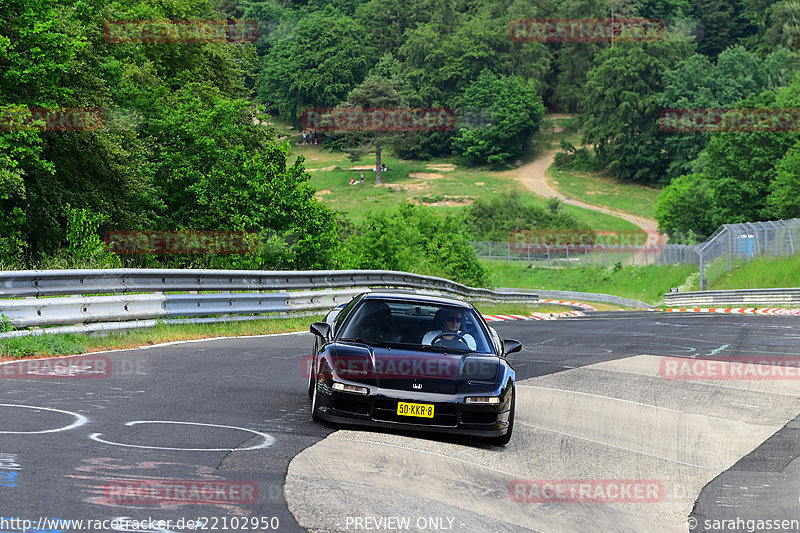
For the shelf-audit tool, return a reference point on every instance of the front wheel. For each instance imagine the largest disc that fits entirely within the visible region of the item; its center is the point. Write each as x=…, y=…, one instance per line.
x=311, y=380
x=314, y=403
x=504, y=439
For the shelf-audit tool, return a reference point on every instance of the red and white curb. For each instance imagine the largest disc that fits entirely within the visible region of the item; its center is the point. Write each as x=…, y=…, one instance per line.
x=533, y=316
x=738, y=310
x=572, y=304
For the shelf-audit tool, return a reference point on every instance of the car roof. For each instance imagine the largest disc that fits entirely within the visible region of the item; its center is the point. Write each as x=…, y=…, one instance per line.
x=416, y=297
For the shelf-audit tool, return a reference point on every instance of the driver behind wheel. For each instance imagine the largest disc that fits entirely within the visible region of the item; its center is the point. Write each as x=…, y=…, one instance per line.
x=449, y=321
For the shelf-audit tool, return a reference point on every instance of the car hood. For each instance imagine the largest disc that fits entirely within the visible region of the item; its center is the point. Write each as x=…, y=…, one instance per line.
x=411, y=370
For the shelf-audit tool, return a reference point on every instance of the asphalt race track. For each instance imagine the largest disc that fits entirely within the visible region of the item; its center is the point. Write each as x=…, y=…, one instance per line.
x=216, y=436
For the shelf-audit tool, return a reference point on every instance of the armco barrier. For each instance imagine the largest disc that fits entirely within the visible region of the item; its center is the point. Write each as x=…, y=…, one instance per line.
x=734, y=298
x=81, y=309
x=586, y=297
x=25, y=283
x=63, y=297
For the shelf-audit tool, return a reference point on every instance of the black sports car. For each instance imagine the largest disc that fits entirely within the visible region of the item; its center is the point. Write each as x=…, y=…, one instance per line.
x=410, y=361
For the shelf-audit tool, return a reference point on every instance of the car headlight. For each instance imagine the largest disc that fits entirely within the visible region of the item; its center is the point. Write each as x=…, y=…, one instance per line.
x=482, y=369
x=484, y=400
x=345, y=387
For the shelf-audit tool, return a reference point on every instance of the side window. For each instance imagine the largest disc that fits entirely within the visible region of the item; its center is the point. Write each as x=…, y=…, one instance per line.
x=339, y=319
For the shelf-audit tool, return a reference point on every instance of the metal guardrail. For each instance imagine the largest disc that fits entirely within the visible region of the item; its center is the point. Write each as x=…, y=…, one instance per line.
x=586, y=297
x=25, y=283
x=65, y=297
x=734, y=298
x=594, y=297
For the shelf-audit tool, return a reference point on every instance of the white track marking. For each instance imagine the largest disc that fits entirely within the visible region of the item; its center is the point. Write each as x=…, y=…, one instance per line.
x=79, y=420
x=268, y=439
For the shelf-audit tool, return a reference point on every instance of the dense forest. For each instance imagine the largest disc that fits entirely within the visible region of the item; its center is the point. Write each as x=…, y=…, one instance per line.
x=181, y=146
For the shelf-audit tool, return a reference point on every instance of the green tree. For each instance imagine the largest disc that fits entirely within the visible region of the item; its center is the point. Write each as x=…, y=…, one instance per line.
x=622, y=107
x=415, y=239
x=686, y=205
x=784, y=191
x=497, y=218
x=326, y=58
x=516, y=112
x=215, y=169
x=740, y=166
x=697, y=82
x=375, y=91
x=723, y=23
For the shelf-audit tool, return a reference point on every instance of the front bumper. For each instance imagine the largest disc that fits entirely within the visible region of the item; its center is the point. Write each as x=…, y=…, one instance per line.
x=380, y=410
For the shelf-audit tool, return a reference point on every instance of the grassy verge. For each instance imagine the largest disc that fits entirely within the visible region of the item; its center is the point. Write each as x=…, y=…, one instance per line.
x=645, y=283
x=597, y=189
x=68, y=344
x=758, y=273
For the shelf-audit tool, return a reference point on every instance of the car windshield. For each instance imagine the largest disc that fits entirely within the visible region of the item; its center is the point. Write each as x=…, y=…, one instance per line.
x=424, y=325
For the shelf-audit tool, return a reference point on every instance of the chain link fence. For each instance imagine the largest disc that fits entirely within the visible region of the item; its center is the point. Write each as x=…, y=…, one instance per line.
x=568, y=255
x=730, y=245
x=736, y=244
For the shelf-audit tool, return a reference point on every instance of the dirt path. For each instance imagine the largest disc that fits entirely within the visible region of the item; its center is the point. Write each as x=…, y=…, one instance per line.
x=533, y=177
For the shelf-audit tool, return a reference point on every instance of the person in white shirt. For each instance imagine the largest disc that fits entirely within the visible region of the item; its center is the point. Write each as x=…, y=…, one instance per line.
x=449, y=320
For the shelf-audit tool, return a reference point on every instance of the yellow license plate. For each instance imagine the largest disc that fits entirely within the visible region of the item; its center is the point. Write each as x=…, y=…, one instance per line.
x=422, y=410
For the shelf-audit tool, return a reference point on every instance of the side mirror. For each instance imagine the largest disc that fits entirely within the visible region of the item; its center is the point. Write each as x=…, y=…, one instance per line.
x=511, y=346
x=321, y=329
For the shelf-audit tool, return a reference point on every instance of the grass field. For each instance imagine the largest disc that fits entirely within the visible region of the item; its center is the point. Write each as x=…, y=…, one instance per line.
x=444, y=183
x=594, y=188
x=758, y=273
x=645, y=283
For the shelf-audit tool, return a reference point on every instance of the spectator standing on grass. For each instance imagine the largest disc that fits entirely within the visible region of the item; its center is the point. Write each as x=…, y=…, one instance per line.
x=362, y=176
x=304, y=137
x=315, y=137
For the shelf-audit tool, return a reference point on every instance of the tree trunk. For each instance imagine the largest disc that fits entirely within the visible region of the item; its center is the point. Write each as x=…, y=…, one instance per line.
x=377, y=164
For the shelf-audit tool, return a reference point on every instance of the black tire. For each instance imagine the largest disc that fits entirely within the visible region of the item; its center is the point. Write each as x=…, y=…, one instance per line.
x=311, y=370
x=504, y=439
x=314, y=416
x=311, y=380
